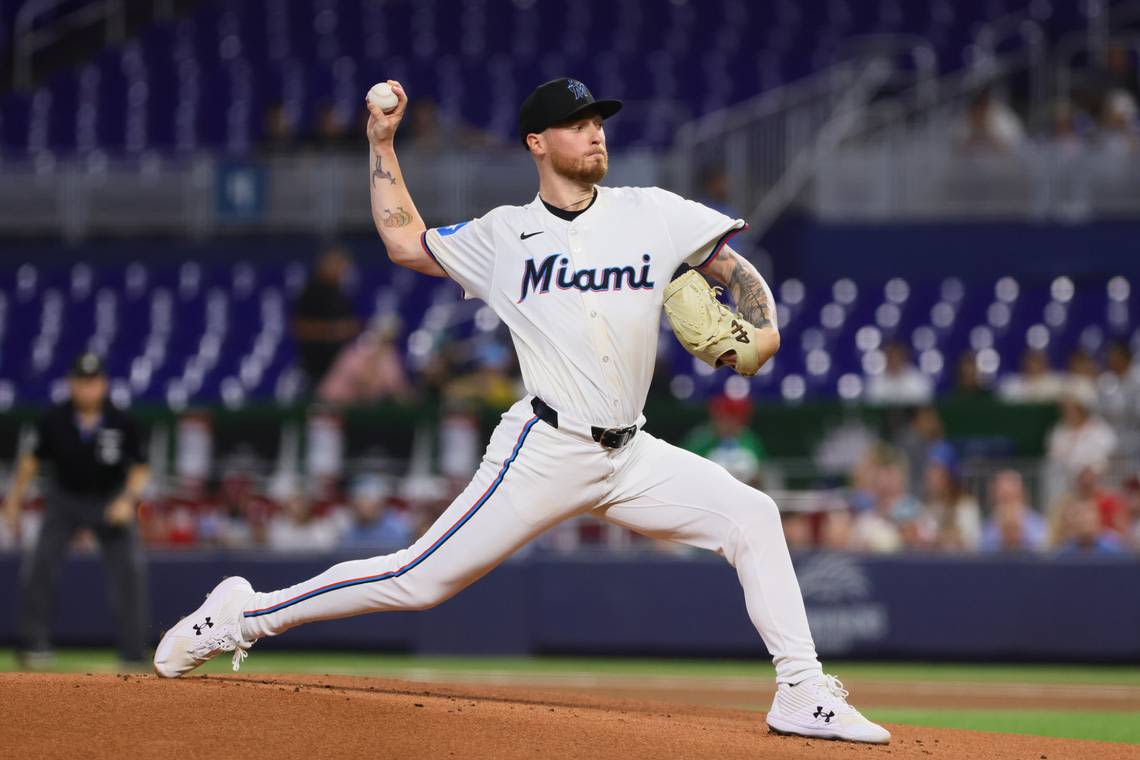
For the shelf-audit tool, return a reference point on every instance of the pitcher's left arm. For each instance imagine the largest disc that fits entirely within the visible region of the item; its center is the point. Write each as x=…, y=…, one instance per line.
x=752, y=296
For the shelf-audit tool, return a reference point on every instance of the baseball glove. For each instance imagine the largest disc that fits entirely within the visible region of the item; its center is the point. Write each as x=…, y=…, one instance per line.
x=705, y=326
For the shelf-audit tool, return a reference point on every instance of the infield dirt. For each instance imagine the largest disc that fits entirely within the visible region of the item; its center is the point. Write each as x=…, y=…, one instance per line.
x=311, y=718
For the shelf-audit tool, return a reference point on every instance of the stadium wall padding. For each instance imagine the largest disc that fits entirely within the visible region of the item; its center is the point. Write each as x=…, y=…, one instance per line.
x=807, y=248
x=906, y=607
x=787, y=430
x=800, y=246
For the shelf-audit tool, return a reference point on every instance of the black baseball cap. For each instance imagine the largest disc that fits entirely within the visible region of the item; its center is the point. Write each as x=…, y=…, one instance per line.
x=87, y=364
x=559, y=100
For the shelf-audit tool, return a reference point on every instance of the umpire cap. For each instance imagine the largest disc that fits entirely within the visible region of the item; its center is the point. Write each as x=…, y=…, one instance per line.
x=559, y=100
x=86, y=365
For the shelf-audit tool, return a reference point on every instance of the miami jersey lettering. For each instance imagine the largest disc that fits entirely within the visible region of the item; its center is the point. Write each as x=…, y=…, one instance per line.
x=537, y=278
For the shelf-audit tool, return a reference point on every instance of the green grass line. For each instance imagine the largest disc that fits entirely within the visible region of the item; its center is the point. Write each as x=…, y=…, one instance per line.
x=363, y=663
x=1099, y=725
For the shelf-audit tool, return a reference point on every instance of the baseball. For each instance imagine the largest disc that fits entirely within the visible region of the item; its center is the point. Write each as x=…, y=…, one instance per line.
x=381, y=94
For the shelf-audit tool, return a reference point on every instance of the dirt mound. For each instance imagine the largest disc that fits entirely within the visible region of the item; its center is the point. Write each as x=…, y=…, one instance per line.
x=312, y=718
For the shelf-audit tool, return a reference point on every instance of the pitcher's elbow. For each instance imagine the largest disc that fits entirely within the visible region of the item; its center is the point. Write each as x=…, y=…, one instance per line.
x=769, y=342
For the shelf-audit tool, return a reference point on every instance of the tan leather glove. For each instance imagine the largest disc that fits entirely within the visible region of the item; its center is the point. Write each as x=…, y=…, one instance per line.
x=705, y=326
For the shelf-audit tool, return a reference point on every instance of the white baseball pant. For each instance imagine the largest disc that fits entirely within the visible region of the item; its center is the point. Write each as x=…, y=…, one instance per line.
x=534, y=476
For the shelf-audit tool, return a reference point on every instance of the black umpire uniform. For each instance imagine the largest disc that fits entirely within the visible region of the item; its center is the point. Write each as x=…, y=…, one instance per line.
x=96, y=468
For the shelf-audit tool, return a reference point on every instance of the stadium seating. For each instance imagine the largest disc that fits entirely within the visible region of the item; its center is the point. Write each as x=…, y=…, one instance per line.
x=205, y=80
x=229, y=342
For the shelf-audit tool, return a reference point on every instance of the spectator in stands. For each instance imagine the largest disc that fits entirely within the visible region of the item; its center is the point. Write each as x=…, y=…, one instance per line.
x=331, y=129
x=881, y=528
x=1120, y=72
x=714, y=188
x=716, y=195
x=728, y=439
x=1131, y=492
x=430, y=130
x=1119, y=134
x=837, y=530
x=1064, y=136
x=232, y=523
x=492, y=384
x=1079, y=440
x=950, y=518
x=279, y=135
x=375, y=524
x=323, y=317
x=991, y=125
x=1083, y=372
x=1110, y=505
x=901, y=382
x=425, y=127
x=967, y=380
x=1013, y=526
x=369, y=369
x=1037, y=383
x=297, y=529
x=1079, y=530
x=1067, y=146
x=1119, y=398
x=861, y=490
x=921, y=435
x=797, y=530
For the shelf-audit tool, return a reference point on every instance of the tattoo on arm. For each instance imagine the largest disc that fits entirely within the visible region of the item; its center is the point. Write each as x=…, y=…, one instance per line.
x=397, y=218
x=379, y=173
x=750, y=295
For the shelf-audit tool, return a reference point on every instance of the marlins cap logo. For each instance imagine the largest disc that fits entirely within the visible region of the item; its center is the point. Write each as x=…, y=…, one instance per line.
x=578, y=89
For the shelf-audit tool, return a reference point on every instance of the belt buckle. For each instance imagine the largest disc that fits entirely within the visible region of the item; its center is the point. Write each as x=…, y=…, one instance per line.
x=615, y=438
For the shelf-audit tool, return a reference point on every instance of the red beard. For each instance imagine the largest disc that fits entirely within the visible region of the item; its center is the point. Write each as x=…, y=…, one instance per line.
x=586, y=169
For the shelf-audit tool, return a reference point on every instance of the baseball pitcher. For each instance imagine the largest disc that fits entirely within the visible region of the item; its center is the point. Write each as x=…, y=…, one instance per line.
x=580, y=275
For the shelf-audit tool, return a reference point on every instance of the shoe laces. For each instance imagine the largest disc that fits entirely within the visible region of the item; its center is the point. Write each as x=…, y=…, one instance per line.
x=224, y=641
x=240, y=653
x=834, y=687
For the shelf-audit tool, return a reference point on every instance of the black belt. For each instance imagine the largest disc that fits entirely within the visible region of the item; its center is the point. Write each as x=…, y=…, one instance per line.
x=611, y=438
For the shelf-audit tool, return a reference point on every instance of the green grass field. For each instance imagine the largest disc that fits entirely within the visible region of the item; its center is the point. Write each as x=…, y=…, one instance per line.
x=1109, y=726
x=1116, y=726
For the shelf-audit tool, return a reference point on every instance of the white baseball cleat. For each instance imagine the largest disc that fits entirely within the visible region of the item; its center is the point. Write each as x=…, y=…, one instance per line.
x=818, y=708
x=213, y=628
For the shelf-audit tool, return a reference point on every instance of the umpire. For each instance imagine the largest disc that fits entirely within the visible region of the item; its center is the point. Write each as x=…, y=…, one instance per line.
x=95, y=478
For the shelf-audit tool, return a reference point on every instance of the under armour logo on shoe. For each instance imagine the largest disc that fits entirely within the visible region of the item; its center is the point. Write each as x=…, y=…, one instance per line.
x=740, y=332
x=827, y=716
x=198, y=628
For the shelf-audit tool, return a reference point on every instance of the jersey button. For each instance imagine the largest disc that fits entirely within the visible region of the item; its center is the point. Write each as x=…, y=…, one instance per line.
x=605, y=358
x=593, y=313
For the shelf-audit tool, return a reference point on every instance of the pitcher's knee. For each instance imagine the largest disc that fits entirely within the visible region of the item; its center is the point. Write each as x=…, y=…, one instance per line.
x=761, y=514
x=431, y=595
x=754, y=520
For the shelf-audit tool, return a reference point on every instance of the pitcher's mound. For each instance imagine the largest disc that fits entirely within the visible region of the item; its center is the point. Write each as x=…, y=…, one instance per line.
x=312, y=718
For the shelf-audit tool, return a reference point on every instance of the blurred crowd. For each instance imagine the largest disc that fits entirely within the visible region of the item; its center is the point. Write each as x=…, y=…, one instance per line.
x=907, y=486
x=1099, y=113
x=340, y=126
x=881, y=512
x=911, y=490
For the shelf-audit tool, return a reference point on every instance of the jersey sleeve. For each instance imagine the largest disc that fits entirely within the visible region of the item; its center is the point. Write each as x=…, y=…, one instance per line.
x=466, y=252
x=698, y=232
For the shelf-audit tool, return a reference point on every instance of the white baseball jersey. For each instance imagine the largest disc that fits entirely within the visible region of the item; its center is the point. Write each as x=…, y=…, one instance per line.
x=583, y=298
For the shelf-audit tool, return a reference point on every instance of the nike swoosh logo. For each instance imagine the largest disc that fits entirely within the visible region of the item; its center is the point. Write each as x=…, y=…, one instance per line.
x=525, y=235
